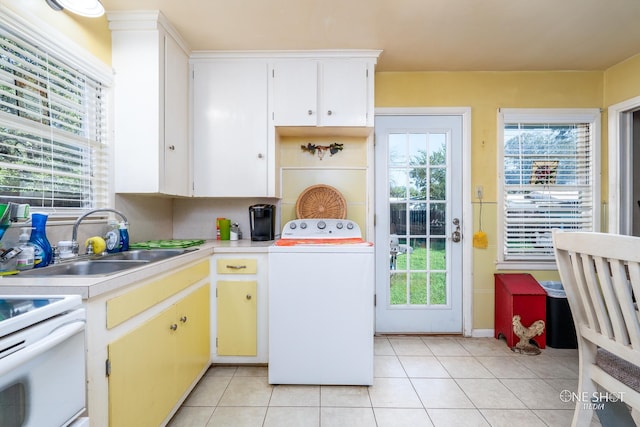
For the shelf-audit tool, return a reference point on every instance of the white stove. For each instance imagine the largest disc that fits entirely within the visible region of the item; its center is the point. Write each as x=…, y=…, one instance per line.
x=321, y=287
x=42, y=360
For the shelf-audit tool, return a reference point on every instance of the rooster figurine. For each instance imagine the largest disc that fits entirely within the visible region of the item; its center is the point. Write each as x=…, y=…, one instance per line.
x=525, y=334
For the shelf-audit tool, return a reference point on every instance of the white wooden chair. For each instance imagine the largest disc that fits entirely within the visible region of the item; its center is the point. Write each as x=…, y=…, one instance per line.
x=601, y=275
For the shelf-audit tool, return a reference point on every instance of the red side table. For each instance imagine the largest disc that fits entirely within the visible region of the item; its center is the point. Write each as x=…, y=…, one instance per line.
x=519, y=294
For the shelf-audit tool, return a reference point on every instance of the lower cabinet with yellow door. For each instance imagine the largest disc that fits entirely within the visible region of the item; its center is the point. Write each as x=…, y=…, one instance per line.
x=239, y=323
x=152, y=366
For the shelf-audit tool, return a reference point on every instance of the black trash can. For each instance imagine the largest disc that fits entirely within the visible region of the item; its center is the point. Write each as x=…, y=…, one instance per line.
x=561, y=332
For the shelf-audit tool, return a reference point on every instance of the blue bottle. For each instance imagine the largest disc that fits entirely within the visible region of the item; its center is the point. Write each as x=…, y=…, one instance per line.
x=124, y=236
x=42, y=248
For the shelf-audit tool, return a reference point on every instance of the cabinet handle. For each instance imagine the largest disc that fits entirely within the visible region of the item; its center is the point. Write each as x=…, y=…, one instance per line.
x=172, y=147
x=248, y=296
x=310, y=112
x=236, y=267
x=183, y=319
x=329, y=113
x=260, y=155
x=173, y=327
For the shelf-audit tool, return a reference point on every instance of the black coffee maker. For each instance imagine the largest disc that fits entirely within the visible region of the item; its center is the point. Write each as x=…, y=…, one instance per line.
x=262, y=219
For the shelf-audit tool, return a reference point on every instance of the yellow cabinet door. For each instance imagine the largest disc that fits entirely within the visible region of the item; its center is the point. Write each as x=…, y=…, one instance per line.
x=237, y=318
x=193, y=337
x=142, y=381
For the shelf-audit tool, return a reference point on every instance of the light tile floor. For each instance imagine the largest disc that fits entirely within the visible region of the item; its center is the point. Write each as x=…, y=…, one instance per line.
x=419, y=381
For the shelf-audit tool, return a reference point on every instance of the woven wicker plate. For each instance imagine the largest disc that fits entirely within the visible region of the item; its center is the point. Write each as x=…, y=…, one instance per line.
x=321, y=201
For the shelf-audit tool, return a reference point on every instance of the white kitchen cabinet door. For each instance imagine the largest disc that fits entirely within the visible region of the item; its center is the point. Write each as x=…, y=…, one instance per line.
x=344, y=93
x=295, y=93
x=230, y=115
x=327, y=92
x=176, y=120
x=151, y=100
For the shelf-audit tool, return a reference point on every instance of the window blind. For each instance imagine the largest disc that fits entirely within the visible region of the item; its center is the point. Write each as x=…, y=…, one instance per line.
x=53, y=132
x=548, y=183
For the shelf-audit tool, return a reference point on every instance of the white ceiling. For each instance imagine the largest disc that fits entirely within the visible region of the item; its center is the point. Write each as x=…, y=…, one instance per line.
x=418, y=35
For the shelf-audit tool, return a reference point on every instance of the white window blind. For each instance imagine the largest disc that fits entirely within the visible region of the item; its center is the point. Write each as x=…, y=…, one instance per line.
x=548, y=180
x=53, y=133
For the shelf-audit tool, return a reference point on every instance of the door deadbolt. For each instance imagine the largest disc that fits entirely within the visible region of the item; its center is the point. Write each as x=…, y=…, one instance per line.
x=456, y=236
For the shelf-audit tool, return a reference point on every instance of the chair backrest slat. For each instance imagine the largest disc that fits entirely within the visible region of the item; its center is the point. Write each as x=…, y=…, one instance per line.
x=615, y=295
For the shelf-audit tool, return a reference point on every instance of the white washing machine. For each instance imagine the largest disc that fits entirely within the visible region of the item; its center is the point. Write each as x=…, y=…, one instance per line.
x=321, y=307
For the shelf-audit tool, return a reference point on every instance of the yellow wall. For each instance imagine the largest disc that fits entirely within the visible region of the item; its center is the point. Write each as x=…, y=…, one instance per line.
x=485, y=92
x=346, y=171
x=92, y=34
x=622, y=81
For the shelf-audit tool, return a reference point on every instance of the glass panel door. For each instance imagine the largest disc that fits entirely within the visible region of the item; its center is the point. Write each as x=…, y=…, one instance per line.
x=418, y=193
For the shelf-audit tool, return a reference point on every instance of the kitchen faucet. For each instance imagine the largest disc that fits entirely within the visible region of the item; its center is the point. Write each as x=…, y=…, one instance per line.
x=74, y=236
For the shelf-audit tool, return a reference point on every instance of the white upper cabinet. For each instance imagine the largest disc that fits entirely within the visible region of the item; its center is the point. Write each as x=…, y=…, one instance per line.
x=151, y=105
x=231, y=154
x=295, y=93
x=334, y=92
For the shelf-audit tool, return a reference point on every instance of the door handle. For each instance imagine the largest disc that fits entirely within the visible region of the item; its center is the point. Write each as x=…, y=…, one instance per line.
x=30, y=352
x=456, y=236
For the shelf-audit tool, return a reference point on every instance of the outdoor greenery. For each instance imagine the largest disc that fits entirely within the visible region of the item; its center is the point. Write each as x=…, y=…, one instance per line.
x=418, y=278
x=423, y=268
x=45, y=115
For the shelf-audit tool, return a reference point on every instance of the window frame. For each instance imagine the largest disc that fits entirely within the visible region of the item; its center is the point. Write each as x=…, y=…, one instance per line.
x=42, y=35
x=590, y=116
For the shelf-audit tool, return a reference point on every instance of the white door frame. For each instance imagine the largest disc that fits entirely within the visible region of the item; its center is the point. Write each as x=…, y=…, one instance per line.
x=467, y=214
x=619, y=145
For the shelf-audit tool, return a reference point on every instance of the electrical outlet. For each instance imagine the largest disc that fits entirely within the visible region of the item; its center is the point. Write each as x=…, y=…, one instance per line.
x=479, y=191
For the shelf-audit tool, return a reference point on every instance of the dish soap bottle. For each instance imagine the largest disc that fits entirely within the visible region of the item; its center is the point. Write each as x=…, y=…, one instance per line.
x=25, y=258
x=112, y=238
x=42, y=251
x=124, y=237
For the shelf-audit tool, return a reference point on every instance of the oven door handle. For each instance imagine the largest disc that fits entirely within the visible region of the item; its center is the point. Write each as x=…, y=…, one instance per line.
x=13, y=361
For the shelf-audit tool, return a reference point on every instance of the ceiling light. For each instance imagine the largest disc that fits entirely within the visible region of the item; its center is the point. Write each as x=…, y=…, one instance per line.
x=88, y=8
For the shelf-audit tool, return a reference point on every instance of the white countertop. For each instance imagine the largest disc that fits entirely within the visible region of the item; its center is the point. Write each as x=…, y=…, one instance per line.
x=92, y=286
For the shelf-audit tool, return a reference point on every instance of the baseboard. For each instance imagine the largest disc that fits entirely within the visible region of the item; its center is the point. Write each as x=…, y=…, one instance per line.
x=482, y=333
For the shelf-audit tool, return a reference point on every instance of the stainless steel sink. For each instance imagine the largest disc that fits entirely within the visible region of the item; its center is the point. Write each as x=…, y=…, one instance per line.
x=105, y=265
x=146, y=254
x=84, y=268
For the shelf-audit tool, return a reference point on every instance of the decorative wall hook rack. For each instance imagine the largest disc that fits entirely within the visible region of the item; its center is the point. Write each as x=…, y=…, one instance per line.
x=322, y=149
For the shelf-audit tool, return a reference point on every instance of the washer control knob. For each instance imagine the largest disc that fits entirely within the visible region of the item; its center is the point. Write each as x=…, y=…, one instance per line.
x=303, y=225
x=339, y=226
x=322, y=225
x=292, y=225
x=349, y=226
